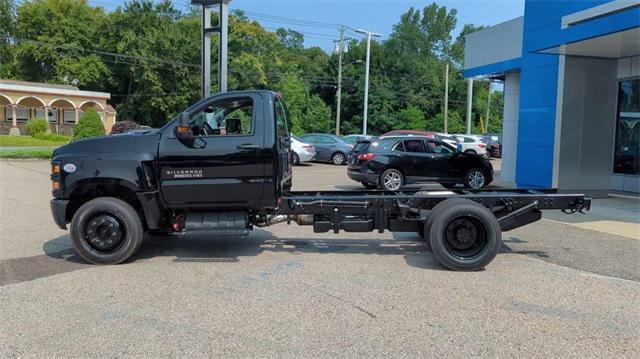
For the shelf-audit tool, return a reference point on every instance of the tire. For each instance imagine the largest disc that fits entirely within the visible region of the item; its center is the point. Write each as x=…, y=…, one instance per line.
x=296, y=159
x=93, y=235
x=391, y=180
x=471, y=152
x=463, y=235
x=475, y=178
x=338, y=158
x=369, y=185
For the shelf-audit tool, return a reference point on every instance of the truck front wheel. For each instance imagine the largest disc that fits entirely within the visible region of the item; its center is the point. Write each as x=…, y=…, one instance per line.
x=106, y=230
x=464, y=235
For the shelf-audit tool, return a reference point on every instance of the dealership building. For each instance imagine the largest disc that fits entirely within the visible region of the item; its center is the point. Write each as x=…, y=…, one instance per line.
x=571, y=74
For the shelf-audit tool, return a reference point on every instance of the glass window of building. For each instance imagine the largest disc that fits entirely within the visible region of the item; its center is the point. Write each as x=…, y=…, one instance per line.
x=627, y=150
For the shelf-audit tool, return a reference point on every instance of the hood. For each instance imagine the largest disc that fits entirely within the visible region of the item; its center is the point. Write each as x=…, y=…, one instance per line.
x=128, y=143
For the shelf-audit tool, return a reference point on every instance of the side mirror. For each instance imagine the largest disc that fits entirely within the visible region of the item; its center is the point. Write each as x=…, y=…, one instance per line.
x=182, y=130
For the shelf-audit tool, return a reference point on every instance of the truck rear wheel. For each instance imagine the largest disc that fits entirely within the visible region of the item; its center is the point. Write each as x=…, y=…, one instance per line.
x=106, y=230
x=463, y=235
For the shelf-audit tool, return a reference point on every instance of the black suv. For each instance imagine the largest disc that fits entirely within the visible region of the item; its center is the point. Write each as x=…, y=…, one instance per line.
x=390, y=163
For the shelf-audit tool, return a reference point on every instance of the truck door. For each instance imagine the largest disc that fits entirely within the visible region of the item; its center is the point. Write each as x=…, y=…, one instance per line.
x=222, y=162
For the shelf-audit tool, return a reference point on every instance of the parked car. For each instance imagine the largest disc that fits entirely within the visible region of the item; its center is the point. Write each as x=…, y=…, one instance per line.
x=352, y=139
x=471, y=145
x=448, y=139
x=301, y=151
x=329, y=148
x=391, y=163
x=409, y=133
x=494, y=148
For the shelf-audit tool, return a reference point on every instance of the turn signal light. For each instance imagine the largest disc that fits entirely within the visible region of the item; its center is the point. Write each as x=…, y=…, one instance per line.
x=55, y=168
x=55, y=185
x=482, y=145
x=366, y=157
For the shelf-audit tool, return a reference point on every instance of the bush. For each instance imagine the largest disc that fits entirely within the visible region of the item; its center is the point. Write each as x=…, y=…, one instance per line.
x=124, y=127
x=89, y=125
x=37, y=126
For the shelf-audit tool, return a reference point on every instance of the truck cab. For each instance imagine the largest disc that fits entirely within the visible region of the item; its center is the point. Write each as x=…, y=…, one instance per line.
x=231, y=151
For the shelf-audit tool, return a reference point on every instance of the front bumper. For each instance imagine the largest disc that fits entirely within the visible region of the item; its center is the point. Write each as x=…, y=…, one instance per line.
x=59, y=212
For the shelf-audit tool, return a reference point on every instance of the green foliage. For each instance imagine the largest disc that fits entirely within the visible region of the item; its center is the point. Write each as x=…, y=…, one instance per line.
x=26, y=154
x=71, y=42
x=89, y=125
x=37, y=126
x=52, y=137
x=455, y=124
x=28, y=141
x=412, y=118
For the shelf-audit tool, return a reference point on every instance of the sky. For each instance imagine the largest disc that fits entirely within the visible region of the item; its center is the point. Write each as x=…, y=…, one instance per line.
x=318, y=20
x=372, y=15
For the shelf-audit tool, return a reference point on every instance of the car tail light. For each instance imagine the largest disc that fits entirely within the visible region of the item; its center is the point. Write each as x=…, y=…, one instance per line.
x=482, y=145
x=366, y=157
x=309, y=147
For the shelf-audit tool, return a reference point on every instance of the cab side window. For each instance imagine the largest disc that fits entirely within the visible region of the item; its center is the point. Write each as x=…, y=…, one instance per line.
x=281, y=120
x=225, y=118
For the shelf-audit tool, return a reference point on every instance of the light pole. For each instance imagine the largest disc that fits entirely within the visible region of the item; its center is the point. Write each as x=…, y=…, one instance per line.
x=366, y=78
x=223, y=30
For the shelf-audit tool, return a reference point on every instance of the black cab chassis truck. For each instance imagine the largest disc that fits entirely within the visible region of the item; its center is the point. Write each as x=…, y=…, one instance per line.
x=224, y=166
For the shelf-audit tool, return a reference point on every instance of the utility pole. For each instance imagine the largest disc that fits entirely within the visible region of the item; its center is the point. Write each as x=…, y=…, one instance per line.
x=446, y=98
x=486, y=123
x=339, y=92
x=469, y=104
x=223, y=30
x=366, y=78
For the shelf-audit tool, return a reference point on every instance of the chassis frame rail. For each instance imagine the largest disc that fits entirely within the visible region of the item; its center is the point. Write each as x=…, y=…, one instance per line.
x=363, y=211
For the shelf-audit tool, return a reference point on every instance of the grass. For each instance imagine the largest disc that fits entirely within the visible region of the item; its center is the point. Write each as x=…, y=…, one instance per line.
x=28, y=141
x=26, y=154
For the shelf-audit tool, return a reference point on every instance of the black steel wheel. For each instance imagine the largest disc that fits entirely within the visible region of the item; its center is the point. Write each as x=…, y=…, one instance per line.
x=296, y=159
x=106, y=230
x=463, y=234
x=338, y=158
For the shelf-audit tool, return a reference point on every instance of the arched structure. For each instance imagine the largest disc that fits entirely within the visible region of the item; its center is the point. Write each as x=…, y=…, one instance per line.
x=62, y=111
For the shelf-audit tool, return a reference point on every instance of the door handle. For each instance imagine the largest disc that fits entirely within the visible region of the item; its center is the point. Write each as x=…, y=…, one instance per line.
x=247, y=147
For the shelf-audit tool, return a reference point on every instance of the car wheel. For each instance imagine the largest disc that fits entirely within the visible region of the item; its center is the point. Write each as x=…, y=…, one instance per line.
x=475, y=179
x=391, y=180
x=369, y=185
x=338, y=158
x=296, y=159
x=471, y=152
x=463, y=234
x=106, y=230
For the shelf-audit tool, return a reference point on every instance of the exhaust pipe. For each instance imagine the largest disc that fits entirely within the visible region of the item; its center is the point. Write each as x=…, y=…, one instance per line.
x=300, y=219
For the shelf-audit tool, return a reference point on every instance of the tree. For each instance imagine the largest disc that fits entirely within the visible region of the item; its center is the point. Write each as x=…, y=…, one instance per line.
x=290, y=38
x=412, y=118
x=89, y=125
x=7, y=25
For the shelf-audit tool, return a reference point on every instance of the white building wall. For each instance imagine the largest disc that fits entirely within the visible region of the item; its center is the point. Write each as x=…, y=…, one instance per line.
x=494, y=44
x=510, y=128
x=587, y=125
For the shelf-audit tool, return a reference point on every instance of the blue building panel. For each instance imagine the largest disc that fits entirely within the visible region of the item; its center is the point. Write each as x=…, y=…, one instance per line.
x=539, y=76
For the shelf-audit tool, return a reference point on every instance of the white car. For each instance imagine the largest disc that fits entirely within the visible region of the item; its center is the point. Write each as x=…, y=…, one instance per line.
x=471, y=144
x=448, y=139
x=302, y=151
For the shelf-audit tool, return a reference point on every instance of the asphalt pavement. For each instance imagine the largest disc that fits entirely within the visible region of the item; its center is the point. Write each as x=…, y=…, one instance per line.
x=556, y=290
